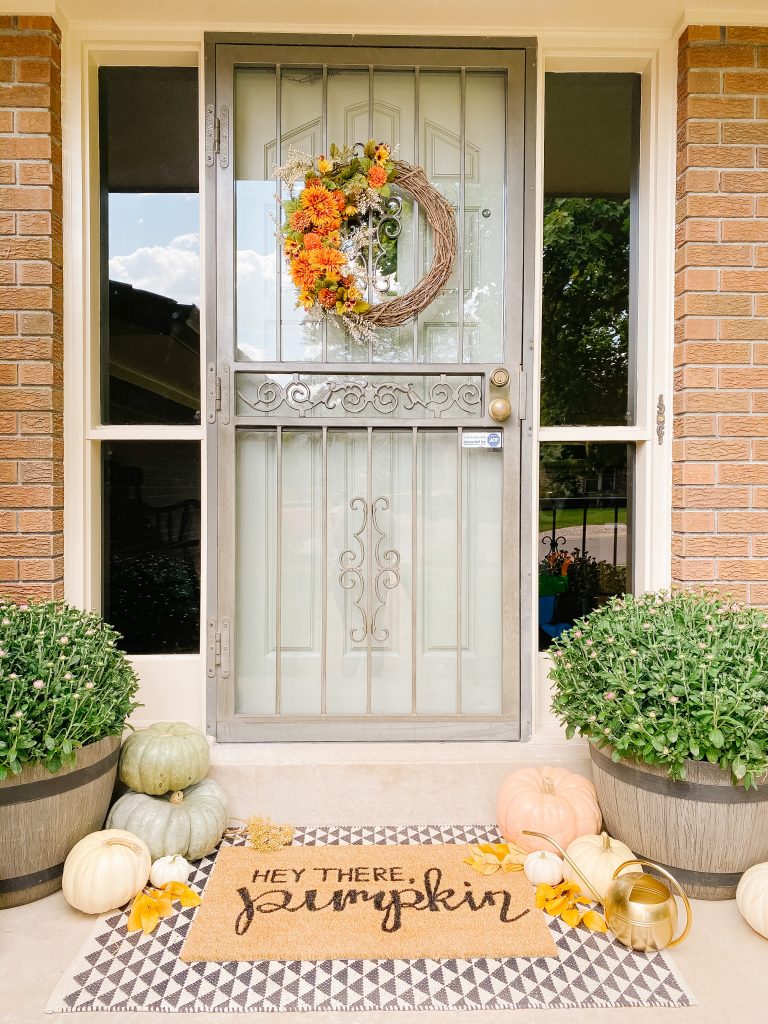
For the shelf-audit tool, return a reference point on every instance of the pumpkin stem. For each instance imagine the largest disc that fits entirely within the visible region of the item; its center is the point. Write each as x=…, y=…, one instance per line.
x=133, y=847
x=547, y=785
x=177, y=797
x=606, y=840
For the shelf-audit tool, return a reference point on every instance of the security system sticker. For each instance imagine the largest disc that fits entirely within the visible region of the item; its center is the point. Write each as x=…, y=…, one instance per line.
x=482, y=439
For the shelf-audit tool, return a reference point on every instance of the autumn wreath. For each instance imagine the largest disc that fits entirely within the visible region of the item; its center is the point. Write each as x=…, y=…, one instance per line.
x=331, y=207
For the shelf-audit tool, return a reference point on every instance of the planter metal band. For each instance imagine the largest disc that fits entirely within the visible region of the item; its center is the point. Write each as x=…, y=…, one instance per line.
x=29, y=881
x=702, y=792
x=61, y=783
x=708, y=879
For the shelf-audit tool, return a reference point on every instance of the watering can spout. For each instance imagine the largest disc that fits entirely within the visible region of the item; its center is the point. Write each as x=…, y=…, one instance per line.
x=576, y=868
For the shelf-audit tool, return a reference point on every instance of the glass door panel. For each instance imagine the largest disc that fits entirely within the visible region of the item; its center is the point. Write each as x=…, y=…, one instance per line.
x=368, y=509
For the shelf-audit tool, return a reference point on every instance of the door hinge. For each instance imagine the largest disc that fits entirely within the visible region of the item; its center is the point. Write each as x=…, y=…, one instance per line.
x=213, y=392
x=216, y=135
x=522, y=394
x=217, y=648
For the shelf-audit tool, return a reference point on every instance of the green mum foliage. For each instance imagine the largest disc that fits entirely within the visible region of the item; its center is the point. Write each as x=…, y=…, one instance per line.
x=64, y=683
x=667, y=677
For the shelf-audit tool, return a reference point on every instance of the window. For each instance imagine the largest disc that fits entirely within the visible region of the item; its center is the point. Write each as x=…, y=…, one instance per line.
x=150, y=355
x=591, y=144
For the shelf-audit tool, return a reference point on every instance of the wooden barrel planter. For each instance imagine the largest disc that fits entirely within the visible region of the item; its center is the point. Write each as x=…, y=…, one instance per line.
x=42, y=816
x=704, y=830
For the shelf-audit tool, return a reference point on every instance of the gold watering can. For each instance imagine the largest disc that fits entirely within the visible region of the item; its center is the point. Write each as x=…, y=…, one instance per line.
x=639, y=909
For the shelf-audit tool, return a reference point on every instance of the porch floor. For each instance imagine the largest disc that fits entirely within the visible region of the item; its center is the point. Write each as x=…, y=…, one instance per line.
x=723, y=960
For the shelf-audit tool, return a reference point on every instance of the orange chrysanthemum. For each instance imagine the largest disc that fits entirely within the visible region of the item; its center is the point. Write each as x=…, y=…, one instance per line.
x=304, y=272
x=312, y=240
x=300, y=220
x=327, y=297
x=320, y=205
x=327, y=262
x=341, y=200
x=377, y=176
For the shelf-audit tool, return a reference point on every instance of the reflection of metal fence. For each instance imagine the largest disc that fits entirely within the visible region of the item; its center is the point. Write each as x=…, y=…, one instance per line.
x=584, y=505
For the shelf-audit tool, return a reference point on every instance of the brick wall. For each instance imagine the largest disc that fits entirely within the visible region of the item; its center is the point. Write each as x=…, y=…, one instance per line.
x=720, y=449
x=31, y=385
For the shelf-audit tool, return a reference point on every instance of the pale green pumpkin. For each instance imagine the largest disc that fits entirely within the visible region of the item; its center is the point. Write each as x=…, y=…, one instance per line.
x=163, y=758
x=188, y=823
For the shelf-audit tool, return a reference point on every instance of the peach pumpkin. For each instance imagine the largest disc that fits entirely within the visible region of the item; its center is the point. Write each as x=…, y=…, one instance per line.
x=555, y=801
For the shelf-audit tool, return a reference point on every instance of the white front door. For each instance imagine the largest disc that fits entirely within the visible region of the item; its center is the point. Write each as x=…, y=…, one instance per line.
x=368, y=525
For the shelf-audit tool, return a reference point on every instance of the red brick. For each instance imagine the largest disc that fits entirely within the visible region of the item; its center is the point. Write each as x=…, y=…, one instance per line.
x=696, y=377
x=716, y=450
x=718, y=206
x=716, y=352
x=694, y=106
x=742, y=522
x=741, y=281
x=712, y=401
x=744, y=181
x=744, y=230
x=743, y=569
x=718, y=57
x=715, y=546
x=35, y=174
x=721, y=156
x=751, y=473
x=717, y=255
x=28, y=198
x=755, y=82
x=689, y=569
x=25, y=298
x=18, y=148
x=33, y=71
x=33, y=122
x=747, y=34
x=750, y=132
x=40, y=95
x=749, y=426
x=748, y=329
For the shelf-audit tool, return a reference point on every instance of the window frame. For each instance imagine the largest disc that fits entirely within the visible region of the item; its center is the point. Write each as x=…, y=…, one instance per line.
x=166, y=679
x=651, y=302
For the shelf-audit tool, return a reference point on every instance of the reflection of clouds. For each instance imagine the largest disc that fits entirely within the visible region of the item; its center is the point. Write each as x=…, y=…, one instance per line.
x=172, y=270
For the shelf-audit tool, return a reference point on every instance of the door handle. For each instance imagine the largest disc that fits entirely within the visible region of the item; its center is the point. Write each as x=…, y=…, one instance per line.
x=500, y=408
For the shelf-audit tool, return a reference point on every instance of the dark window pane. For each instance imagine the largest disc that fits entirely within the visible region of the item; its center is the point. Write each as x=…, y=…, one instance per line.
x=590, y=156
x=151, y=552
x=584, y=530
x=150, y=245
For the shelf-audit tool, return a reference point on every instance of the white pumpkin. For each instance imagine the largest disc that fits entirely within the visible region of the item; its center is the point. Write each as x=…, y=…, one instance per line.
x=543, y=867
x=105, y=870
x=598, y=857
x=752, y=898
x=170, y=869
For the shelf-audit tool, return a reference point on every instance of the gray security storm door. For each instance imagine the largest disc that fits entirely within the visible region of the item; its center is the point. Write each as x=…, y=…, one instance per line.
x=365, y=504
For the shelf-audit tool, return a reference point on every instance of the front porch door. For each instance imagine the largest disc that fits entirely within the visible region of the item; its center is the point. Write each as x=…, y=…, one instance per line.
x=368, y=507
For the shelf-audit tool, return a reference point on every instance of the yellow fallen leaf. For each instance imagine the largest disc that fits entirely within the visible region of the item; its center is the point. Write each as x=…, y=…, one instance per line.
x=178, y=890
x=544, y=893
x=510, y=864
x=594, y=921
x=571, y=916
x=556, y=906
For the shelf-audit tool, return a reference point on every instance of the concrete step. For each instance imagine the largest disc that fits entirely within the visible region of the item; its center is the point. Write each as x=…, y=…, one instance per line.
x=380, y=783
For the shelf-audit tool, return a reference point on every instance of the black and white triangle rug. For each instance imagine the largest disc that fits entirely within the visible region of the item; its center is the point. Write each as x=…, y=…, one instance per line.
x=116, y=970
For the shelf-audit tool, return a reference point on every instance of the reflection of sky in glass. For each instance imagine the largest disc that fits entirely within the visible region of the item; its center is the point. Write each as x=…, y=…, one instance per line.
x=154, y=243
x=256, y=276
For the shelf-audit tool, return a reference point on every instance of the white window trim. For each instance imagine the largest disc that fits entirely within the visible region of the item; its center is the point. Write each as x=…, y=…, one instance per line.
x=654, y=301
x=173, y=685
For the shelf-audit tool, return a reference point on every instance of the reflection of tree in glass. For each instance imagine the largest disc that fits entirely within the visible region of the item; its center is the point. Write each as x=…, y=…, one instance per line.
x=585, y=321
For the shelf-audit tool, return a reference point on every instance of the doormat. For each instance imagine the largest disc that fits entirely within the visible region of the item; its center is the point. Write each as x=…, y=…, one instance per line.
x=363, y=903
x=116, y=970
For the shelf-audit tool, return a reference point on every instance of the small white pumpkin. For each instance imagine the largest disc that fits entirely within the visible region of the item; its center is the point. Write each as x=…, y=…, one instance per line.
x=105, y=870
x=170, y=869
x=598, y=857
x=752, y=898
x=543, y=867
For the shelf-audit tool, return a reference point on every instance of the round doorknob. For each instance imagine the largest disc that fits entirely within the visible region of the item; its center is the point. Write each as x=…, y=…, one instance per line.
x=499, y=409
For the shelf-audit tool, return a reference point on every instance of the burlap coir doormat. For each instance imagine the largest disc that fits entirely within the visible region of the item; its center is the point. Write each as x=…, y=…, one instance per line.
x=374, y=903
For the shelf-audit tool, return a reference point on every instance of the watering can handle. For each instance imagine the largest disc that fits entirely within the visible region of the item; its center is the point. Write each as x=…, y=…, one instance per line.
x=675, y=883
x=576, y=868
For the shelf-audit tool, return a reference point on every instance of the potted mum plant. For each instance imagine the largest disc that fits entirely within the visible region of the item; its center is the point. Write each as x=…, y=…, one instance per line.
x=66, y=690
x=671, y=691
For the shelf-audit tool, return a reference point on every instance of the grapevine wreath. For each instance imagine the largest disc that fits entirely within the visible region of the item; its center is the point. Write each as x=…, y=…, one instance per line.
x=327, y=229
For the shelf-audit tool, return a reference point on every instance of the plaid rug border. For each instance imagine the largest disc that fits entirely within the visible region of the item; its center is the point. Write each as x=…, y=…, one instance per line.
x=115, y=971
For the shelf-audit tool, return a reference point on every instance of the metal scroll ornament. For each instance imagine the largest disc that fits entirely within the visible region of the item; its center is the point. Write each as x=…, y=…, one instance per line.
x=339, y=234
x=383, y=574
